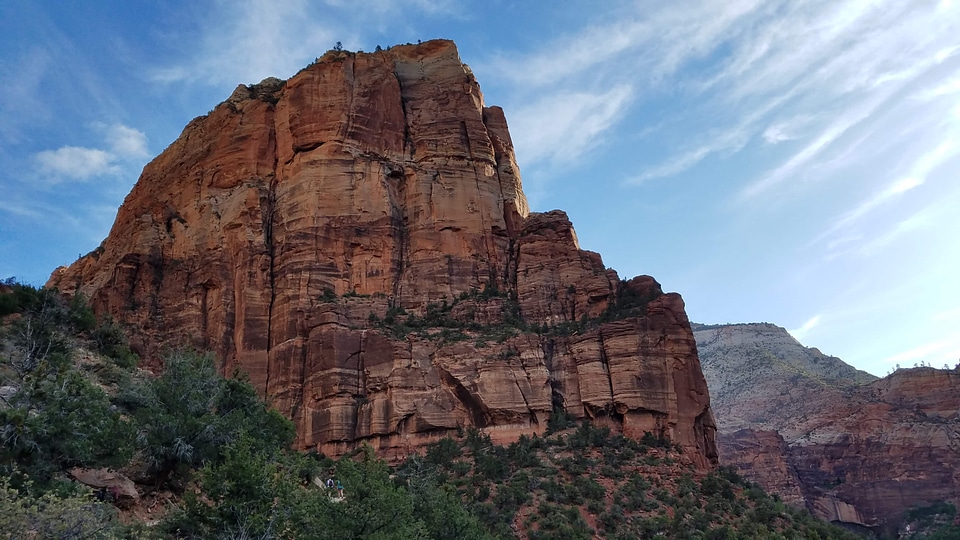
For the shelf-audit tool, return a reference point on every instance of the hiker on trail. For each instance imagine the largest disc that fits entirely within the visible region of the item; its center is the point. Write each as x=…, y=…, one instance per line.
x=329, y=483
x=339, y=489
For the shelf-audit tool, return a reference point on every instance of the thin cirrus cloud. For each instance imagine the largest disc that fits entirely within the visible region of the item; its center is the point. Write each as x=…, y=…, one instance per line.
x=800, y=333
x=561, y=127
x=915, y=177
x=943, y=350
x=864, y=76
x=729, y=139
x=770, y=70
x=947, y=88
x=653, y=40
x=815, y=71
x=253, y=39
x=925, y=218
x=789, y=129
x=124, y=145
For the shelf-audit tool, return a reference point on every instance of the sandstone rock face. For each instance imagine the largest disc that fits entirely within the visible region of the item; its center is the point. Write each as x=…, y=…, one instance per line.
x=357, y=240
x=761, y=457
x=863, y=450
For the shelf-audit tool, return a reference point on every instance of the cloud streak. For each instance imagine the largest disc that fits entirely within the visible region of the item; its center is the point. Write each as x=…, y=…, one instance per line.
x=561, y=127
x=933, y=353
x=249, y=40
x=810, y=73
x=800, y=334
x=915, y=177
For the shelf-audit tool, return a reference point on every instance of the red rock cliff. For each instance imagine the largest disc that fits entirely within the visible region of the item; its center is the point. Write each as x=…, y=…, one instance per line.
x=304, y=228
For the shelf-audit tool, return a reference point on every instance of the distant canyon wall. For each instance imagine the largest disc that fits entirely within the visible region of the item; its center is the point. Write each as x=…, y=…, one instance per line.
x=849, y=446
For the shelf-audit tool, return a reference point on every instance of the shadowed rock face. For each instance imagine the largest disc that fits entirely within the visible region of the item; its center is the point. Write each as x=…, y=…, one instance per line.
x=299, y=227
x=849, y=446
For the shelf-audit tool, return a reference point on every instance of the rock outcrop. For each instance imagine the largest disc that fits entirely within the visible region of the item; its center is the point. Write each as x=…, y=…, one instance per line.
x=762, y=457
x=120, y=489
x=357, y=240
x=862, y=450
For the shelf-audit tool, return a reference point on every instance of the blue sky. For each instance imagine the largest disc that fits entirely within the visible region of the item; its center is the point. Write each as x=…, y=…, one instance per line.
x=780, y=161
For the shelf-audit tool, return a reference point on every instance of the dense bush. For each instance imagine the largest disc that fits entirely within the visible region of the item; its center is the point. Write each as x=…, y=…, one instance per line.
x=59, y=422
x=73, y=517
x=189, y=413
x=53, y=417
x=253, y=494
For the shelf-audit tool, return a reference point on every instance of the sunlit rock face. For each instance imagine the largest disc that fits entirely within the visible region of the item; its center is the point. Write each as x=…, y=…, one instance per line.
x=356, y=239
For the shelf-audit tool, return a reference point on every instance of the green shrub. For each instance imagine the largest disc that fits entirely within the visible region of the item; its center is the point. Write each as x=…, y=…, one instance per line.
x=111, y=341
x=558, y=523
x=589, y=488
x=58, y=422
x=559, y=419
x=328, y=295
x=48, y=516
x=443, y=452
x=8, y=304
x=188, y=413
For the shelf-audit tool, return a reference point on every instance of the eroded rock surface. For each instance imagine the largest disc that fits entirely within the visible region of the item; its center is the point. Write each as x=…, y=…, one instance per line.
x=305, y=228
x=121, y=490
x=762, y=457
x=862, y=450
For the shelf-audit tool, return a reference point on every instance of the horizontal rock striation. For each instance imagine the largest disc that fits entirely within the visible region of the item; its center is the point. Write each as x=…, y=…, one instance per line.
x=357, y=240
x=861, y=450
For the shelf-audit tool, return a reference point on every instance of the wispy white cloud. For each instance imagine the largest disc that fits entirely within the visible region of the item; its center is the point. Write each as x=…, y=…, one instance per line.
x=732, y=140
x=809, y=72
x=252, y=40
x=249, y=40
x=800, y=333
x=628, y=54
x=915, y=177
x=933, y=353
x=794, y=166
x=729, y=140
x=21, y=79
x=21, y=208
x=947, y=88
x=896, y=188
x=127, y=142
x=125, y=145
x=653, y=40
x=561, y=127
x=76, y=162
x=429, y=7
x=920, y=220
x=864, y=56
x=789, y=129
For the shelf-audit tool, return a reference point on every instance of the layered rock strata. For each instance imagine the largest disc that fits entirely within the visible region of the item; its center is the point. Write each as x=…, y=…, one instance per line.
x=357, y=240
x=861, y=450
